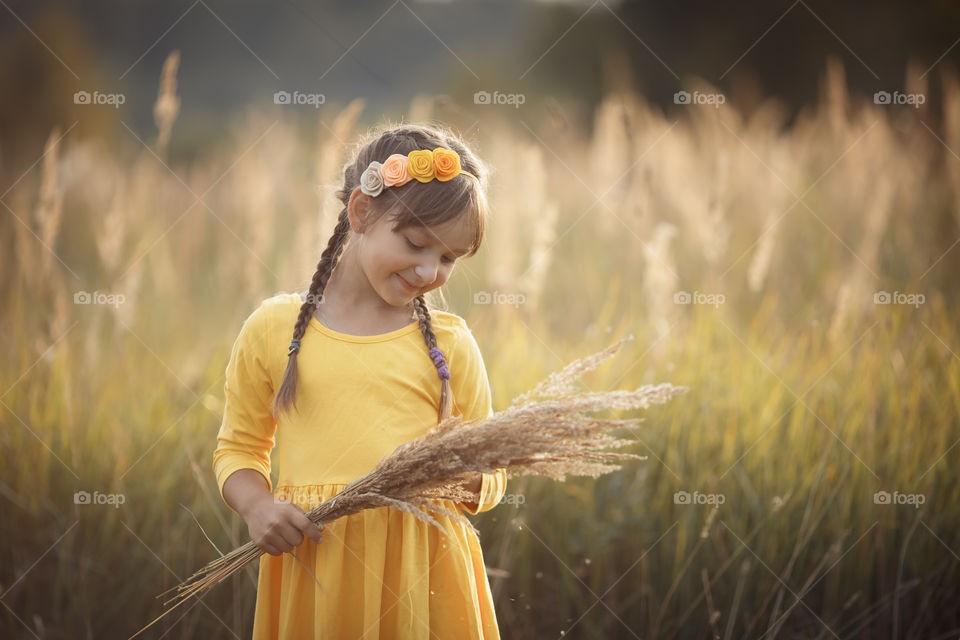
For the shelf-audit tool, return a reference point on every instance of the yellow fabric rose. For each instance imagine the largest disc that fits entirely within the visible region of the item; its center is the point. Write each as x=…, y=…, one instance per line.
x=420, y=165
x=446, y=164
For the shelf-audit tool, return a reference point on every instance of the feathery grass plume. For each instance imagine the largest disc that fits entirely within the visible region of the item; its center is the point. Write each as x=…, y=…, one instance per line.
x=717, y=229
x=542, y=216
x=110, y=234
x=951, y=130
x=659, y=276
x=25, y=271
x=329, y=168
x=837, y=101
x=507, y=227
x=552, y=437
x=609, y=154
x=561, y=382
x=702, y=182
x=261, y=166
x=916, y=81
x=58, y=349
x=760, y=263
x=422, y=108
x=877, y=214
x=314, y=230
x=167, y=107
x=854, y=295
x=541, y=249
x=49, y=210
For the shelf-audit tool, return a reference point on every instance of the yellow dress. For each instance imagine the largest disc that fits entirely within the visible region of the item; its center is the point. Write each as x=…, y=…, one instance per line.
x=382, y=573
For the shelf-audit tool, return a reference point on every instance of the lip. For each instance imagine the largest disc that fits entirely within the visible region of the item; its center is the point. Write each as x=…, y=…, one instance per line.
x=406, y=285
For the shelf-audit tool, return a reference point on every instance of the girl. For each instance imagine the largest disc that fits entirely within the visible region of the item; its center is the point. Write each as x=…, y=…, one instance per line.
x=348, y=373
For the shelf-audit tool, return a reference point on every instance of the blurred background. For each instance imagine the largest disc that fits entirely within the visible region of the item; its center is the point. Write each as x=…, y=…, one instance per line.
x=764, y=195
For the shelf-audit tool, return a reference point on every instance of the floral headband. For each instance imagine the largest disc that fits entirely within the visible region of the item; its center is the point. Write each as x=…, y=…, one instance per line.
x=422, y=165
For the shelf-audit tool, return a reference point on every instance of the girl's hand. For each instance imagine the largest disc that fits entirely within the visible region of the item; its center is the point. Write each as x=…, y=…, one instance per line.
x=277, y=527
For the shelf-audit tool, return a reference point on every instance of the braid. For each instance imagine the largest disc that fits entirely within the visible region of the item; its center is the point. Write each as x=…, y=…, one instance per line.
x=426, y=328
x=328, y=260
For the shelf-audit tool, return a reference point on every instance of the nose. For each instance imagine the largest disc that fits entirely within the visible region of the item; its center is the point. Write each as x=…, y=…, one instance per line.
x=427, y=271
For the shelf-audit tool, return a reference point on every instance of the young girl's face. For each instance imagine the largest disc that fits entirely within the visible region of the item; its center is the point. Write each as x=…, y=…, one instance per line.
x=401, y=265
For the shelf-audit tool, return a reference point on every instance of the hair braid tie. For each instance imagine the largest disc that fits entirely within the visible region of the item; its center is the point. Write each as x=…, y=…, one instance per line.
x=294, y=347
x=440, y=363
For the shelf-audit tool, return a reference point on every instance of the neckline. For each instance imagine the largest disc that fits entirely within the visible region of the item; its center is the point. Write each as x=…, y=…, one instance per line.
x=349, y=337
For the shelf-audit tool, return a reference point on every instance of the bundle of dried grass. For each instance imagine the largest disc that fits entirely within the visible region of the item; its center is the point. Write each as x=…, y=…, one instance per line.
x=546, y=432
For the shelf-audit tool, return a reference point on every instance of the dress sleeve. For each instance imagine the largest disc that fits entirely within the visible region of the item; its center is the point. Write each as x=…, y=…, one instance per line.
x=246, y=434
x=472, y=399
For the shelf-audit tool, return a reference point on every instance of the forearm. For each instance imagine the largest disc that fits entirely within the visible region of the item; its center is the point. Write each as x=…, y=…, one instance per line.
x=244, y=488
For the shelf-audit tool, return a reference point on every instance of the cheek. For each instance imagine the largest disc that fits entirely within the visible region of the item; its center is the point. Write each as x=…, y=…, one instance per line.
x=444, y=273
x=387, y=259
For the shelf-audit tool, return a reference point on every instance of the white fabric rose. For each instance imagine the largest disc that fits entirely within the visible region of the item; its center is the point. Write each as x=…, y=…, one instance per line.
x=371, y=182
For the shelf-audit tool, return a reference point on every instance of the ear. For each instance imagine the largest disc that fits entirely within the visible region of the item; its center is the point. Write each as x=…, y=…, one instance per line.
x=359, y=210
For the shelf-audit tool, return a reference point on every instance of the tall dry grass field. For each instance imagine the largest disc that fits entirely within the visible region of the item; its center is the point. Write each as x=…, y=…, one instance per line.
x=806, y=485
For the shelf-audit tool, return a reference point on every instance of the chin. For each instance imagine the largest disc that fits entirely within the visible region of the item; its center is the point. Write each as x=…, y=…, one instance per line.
x=400, y=300
x=395, y=300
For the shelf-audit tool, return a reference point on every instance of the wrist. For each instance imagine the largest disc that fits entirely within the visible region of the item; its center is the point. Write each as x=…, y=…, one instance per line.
x=252, y=504
x=475, y=484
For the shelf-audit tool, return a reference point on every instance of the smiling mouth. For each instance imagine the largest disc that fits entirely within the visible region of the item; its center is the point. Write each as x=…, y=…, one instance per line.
x=407, y=285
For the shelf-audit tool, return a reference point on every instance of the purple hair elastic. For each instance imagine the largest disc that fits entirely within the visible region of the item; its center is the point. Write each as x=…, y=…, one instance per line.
x=440, y=363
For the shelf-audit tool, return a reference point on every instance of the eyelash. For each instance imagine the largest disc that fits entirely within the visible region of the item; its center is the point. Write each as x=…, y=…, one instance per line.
x=418, y=247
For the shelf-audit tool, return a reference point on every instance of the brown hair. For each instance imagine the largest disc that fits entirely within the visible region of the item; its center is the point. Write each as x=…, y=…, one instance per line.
x=414, y=204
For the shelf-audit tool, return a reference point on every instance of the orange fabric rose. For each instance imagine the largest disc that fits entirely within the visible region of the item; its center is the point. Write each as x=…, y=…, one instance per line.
x=394, y=171
x=446, y=163
x=420, y=165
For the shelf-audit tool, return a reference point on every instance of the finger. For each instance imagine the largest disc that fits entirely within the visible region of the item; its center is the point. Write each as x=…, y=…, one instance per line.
x=288, y=528
x=276, y=542
x=310, y=529
x=292, y=536
x=283, y=546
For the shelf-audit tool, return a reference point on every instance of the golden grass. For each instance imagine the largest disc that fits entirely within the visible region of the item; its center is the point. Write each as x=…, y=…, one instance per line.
x=806, y=398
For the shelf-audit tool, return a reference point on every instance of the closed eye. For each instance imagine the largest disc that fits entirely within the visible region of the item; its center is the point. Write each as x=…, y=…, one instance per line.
x=417, y=247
